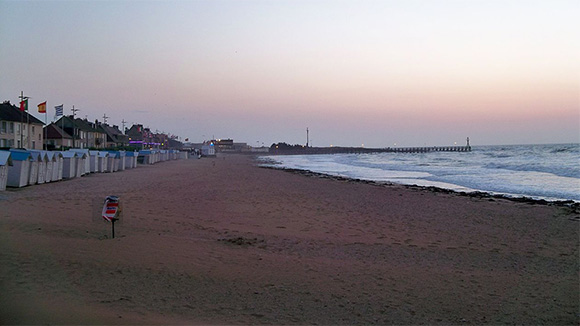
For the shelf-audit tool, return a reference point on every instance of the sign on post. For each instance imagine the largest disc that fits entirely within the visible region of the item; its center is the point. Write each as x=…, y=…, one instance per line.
x=111, y=211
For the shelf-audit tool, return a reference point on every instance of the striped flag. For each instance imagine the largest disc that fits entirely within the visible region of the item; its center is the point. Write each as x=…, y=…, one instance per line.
x=42, y=107
x=58, y=109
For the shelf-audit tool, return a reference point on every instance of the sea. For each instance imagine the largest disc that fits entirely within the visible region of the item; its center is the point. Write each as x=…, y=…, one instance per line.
x=549, y=172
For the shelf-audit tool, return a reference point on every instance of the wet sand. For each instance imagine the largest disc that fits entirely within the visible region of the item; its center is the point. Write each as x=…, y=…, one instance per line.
x=221, y=241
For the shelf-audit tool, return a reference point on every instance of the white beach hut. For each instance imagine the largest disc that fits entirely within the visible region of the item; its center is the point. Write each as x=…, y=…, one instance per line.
x=81, y=164
x=19, y=172
x=57, y=166
x=145, y=157
x=103, y=162
x=86, y=161
x=120, y=159
x=94, y=161
x=163, y=155
x=49, y=165
x=5, y=162
x=183, y=155
x=69, y=167
x=131, y=160
x=112, y=162
x=34, y=167
x=42, y=166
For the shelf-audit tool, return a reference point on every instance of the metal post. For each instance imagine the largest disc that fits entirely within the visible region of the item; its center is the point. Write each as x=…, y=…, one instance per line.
x=73, y=124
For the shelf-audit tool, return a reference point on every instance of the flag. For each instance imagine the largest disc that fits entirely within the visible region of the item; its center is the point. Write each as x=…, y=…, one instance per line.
x=58, y=109
x=24, y=105
x=42, y=107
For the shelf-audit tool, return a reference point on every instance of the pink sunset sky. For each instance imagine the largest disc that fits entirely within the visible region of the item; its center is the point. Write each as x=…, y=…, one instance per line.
x=376, y=73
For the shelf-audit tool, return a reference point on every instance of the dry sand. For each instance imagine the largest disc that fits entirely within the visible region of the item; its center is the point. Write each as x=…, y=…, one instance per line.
x=221, y=241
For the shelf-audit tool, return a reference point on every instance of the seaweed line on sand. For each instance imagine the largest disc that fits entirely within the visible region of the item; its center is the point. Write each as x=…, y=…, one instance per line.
x=574, y=206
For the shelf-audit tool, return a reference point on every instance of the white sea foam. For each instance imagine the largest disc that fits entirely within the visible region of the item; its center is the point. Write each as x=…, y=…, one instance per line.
x=549, y=172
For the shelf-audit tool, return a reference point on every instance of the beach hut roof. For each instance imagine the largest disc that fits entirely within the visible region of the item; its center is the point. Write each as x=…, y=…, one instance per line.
x=50, y=155
x=79, y=150
x=131, y=153
x=41, y=154
x=68, y=154
x=5, y=158
x=35, y=156
x=103, y=154
x=19, y=155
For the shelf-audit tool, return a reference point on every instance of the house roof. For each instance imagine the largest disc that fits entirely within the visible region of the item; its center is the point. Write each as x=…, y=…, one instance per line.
x=9, y=112
x=113, y=133
x=53, y=131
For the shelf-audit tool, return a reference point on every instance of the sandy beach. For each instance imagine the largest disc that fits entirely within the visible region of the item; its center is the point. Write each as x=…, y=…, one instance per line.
x=222, y=241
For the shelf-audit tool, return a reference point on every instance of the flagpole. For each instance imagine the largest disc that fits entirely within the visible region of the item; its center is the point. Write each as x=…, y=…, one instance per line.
x=28, y=129
x=62, y=133
x=21, y=120
x=22, y=99
x=44, y=144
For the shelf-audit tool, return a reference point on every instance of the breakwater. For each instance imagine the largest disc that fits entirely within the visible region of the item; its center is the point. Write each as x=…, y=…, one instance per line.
x=360, y=150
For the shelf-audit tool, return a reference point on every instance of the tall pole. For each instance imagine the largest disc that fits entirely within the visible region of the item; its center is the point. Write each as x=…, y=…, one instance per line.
x=307, y=139
x=44, y=145
x=73, y=124
x=62, y=133
x=22, y=98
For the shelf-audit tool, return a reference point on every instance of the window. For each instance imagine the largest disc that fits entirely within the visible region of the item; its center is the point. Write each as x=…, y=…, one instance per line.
x=32, y=129
x=33, y=144
x=3, y=128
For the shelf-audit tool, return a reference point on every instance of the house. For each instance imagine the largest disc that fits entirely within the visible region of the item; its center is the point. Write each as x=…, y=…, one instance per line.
x=5, y=162
x=56, y=137
x=115, y=137
x=84, y=134
x=143, y=138
x=18, y=129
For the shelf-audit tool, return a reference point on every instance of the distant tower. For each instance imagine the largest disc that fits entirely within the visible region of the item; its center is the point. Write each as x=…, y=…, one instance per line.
x=467, y=141
x=307, y=140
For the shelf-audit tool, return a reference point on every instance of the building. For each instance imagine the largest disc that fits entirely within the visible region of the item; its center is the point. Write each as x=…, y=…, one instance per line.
x=141, y=137
x=18, y=129
x=115, y=138
x=57, y=138
x=84, y=133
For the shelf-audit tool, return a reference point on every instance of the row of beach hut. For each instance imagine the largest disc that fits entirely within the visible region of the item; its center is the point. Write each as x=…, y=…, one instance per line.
x=20, y=168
